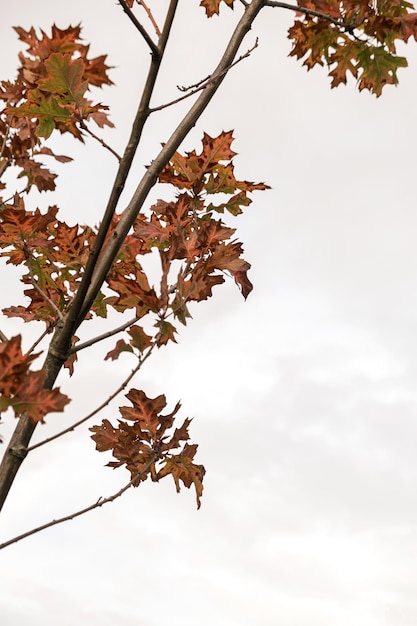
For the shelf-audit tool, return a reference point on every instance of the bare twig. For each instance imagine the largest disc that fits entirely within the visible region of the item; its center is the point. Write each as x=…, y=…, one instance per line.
x=151, y=17
x=141, y=29
x=202, y=84
x=18, y=193
x=101, y=141
x=96, y=505
x=109, y=333
x=41, y=336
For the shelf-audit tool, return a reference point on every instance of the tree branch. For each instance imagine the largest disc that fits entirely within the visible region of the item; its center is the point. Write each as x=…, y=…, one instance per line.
x=3, y=336
x=293, y=7
x=106, y=335
x=203, y=83
x=141, y=29
x=151, y=17
x=39, y=339
x=96, y=505
x=103, y=143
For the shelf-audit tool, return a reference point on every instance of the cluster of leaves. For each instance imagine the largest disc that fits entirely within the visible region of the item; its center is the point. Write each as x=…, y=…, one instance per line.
x=48, y=93
x=22, y=389
x=141, y=442
x=355, y=36
x=195, y=248
x=182, y=230
x=54, y=254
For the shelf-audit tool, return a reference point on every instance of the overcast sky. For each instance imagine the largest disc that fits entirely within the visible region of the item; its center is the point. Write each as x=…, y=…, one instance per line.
x=304, y=397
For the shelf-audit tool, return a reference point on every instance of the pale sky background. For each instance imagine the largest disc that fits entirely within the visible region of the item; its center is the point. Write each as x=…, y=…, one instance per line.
x=304, y=397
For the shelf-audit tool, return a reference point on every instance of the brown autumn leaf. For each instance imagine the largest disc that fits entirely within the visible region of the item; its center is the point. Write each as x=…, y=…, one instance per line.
x=121, y=346
x=182, y=469
x=32, y=398
x=14, y=365
x=143, y=444
x=212, y=7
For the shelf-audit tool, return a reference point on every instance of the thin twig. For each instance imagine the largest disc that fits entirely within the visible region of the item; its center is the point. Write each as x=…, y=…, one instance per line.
x=154, y=48
x=202, y=84
x=39, y=339
x=151, y=17
x=16, y=193
x=3, y=336
x=101, y=141
x=109, y=333
x=96, y=505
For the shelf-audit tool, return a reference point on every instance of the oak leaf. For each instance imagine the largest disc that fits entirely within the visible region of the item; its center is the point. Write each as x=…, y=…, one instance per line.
x=182, y=469
x=142, y=443
x=32, y=398
x=14, y=365
x=166, y=332
x=64, y=76
x=121, y=346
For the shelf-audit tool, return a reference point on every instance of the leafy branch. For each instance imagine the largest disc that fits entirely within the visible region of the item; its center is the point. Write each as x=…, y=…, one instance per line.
x=74, y=266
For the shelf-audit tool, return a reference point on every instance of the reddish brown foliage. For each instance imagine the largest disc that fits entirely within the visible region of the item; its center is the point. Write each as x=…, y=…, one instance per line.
x=189, y=235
